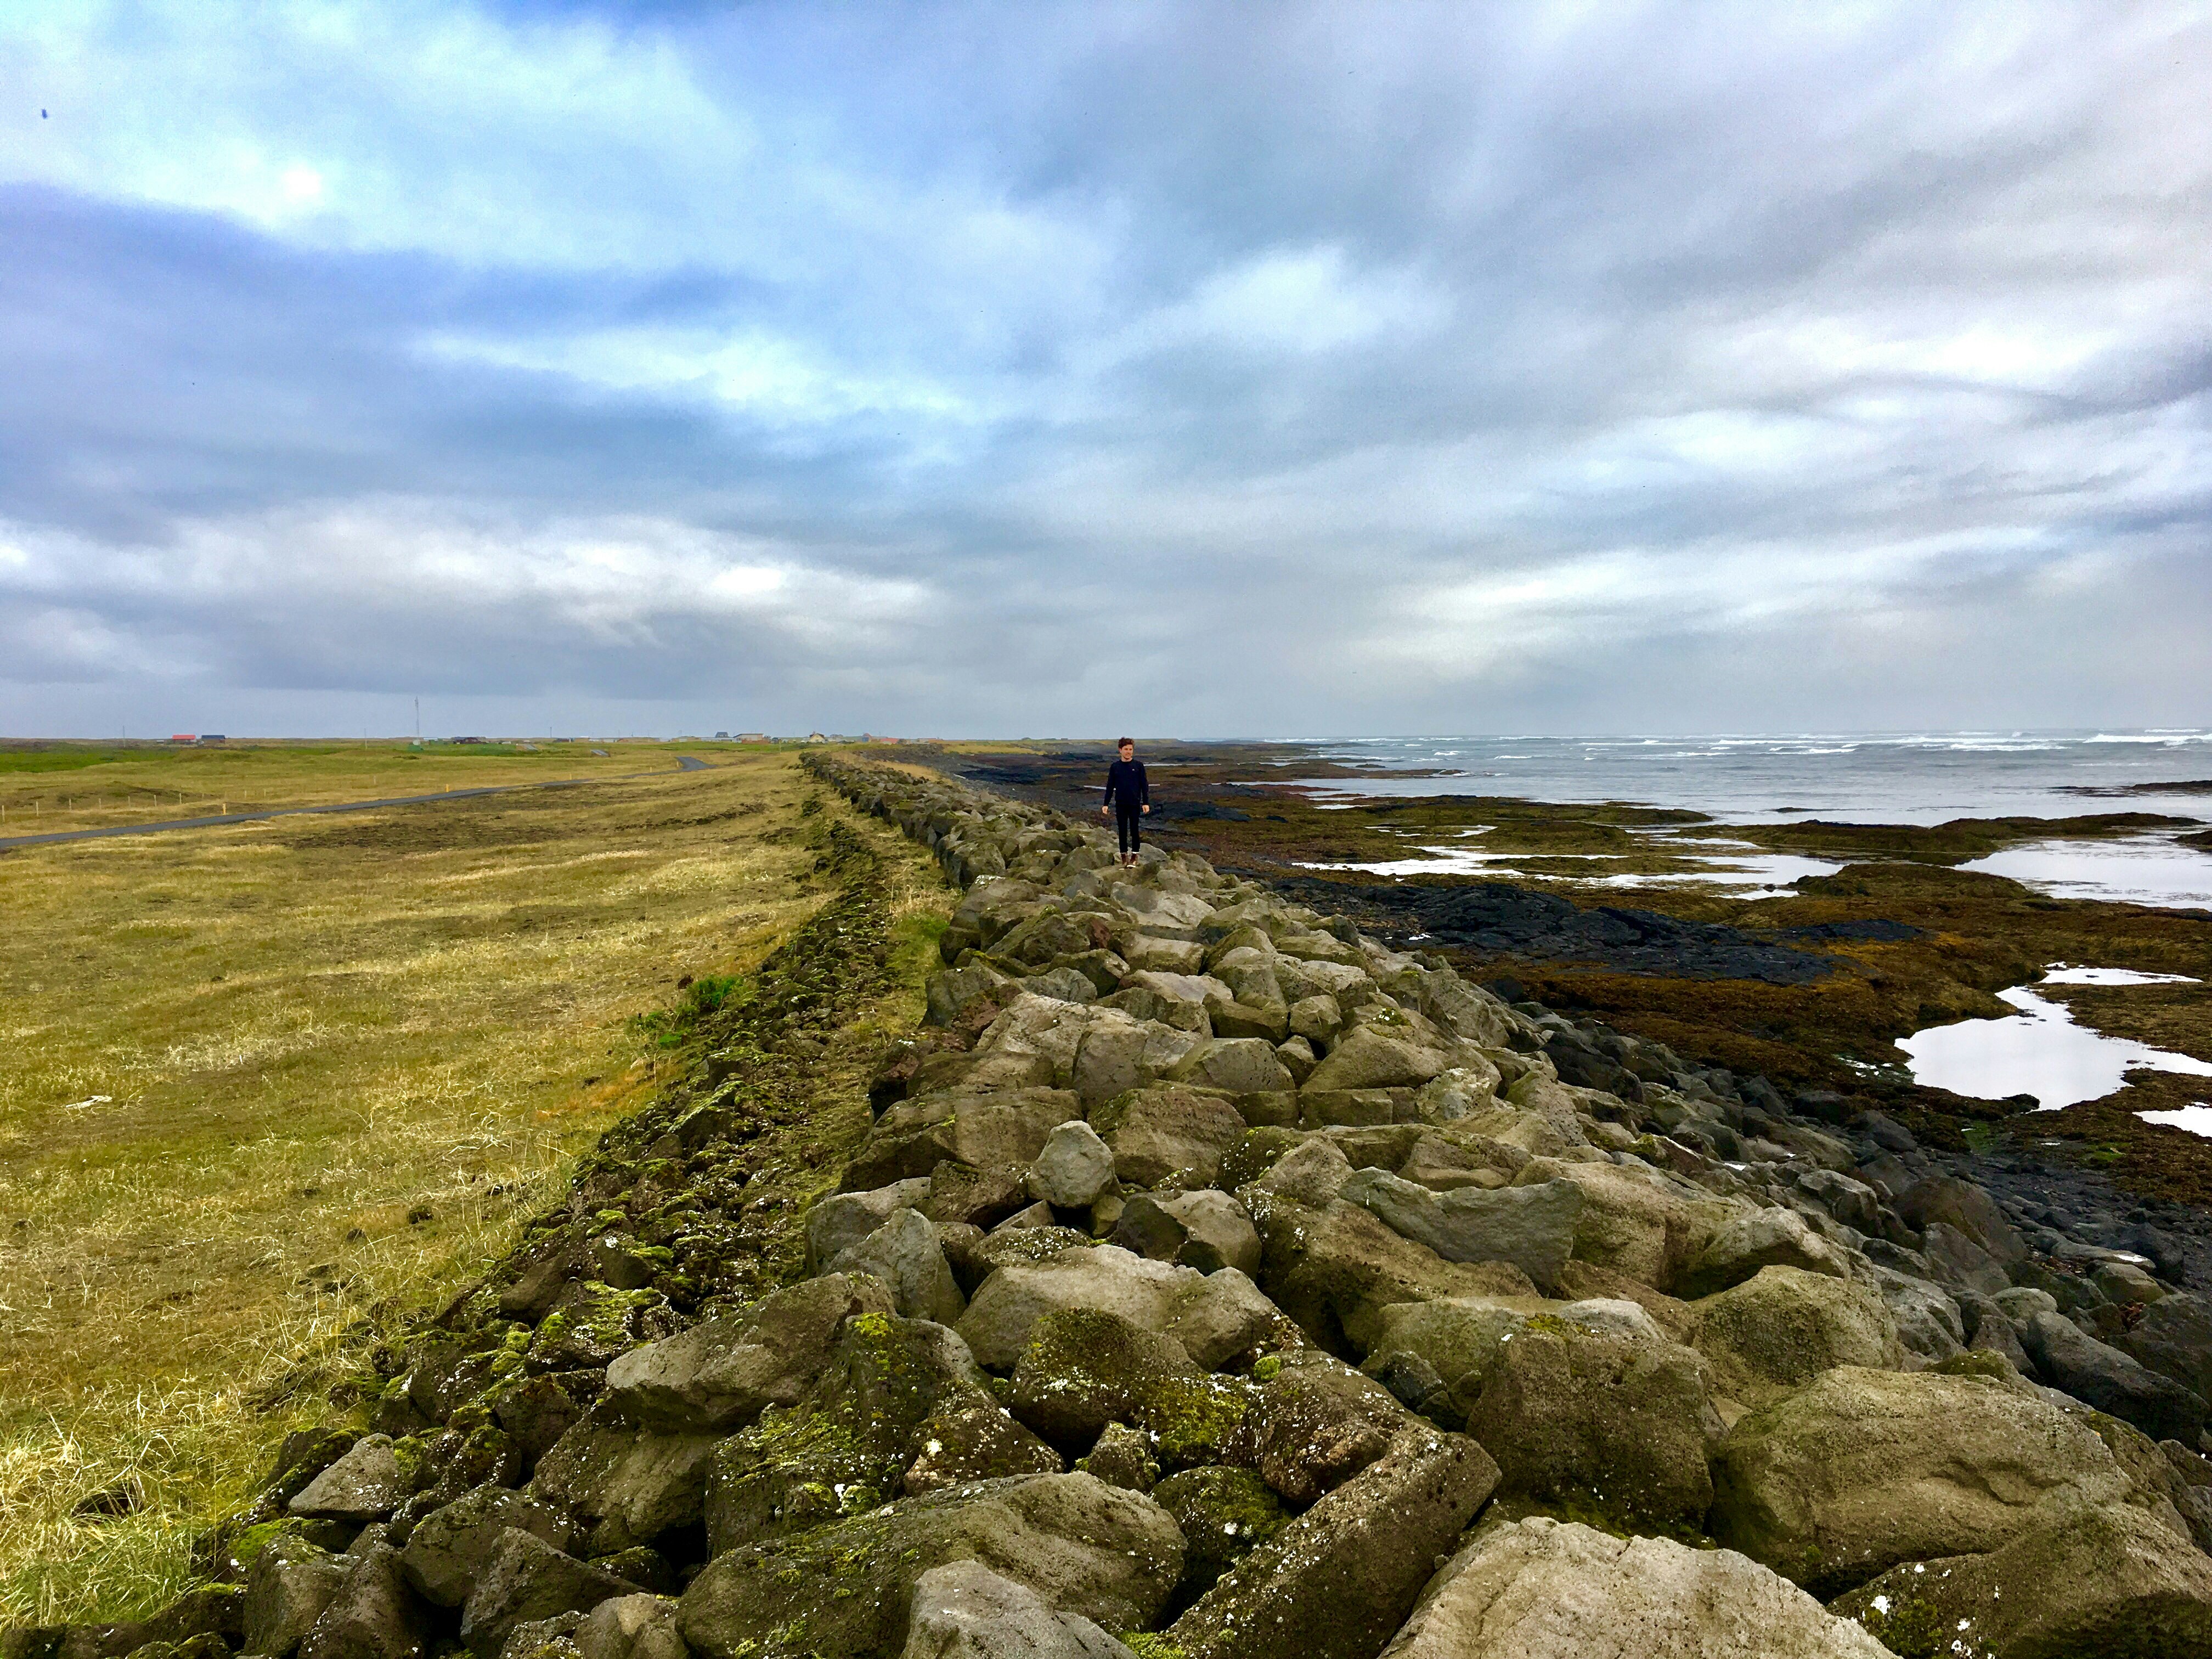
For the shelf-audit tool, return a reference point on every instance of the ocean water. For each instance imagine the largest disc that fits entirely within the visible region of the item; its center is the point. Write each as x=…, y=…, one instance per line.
x=1922, y=778
x=1864, y=778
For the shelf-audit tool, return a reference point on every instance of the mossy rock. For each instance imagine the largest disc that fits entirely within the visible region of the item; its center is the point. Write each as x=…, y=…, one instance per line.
x=593, y=1323
x=1976, y=1362
x=1224, y=1513
x=2107, y=1583
x=1084, y=1368
x=1257, y=1153
x=1194, y=1420
x=843, y=1450
x=842, y=1591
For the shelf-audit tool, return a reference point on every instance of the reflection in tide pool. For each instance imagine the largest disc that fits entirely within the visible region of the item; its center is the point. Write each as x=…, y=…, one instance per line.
x=2197, y=1119
x=1767, y=872
x=2040, y=1052
x=2060, y=974
x=2144, y=869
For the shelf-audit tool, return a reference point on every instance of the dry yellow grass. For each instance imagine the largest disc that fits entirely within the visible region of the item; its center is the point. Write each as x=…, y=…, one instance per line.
x=45, y=787
x=237, y=1060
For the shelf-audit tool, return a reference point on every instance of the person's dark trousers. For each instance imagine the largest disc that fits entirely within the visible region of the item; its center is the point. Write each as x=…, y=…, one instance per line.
x=1125, y=820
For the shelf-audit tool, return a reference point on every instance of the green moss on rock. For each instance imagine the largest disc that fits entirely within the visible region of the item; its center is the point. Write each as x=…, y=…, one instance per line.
x=1224, y=1513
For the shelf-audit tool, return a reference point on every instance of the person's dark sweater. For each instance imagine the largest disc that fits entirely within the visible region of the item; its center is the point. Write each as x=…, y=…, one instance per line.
x=1124, y=783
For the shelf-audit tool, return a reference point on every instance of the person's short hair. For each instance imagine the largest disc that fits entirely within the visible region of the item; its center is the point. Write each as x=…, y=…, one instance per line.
x=1125, y=742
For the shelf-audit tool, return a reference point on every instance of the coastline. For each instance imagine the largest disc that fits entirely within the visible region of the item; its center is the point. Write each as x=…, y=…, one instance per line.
x=1811, y=984
x=577, y=1384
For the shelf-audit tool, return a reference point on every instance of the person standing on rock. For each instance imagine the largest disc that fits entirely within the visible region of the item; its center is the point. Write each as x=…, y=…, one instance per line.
x=1128, y=798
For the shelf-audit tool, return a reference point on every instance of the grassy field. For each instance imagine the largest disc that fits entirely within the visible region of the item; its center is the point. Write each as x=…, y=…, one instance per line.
x=264, y=1081
x=45, y=787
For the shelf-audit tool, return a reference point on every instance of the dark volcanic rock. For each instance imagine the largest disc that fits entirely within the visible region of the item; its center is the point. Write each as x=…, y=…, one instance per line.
x=1871, y=932
x=1500, y=918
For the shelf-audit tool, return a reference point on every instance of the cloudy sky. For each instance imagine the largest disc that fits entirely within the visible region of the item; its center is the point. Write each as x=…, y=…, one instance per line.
x=1023, y=369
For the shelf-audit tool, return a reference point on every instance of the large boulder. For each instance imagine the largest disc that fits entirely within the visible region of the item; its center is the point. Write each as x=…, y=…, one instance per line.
x=1930, y=1322
x=1336, y=1269
x=1862, y=1470
x=1214, y=1316
x=904, y=1255
x=2174, y=1337
x=1966, y=1209
x=1532, y=1227
x=1206, y=1229
x=365, y=1484
x=963, y=1610
x=957, y=996
x=1608, y=1425
x=631, y=1627
x=1368, y=1058
x=1336, y=1582
x=844, y=1591
x=526, y=1579
x=1310, y=1173
x=1239, y=1066
x=1084, y=1368
x=1781, y=1328
x=2110, y=1380
x=1120, y=1053
x=1465, y=1091
x=374, y=1613
x=989, y=1124
x=449, y=1547
x=1457, y=1338
x=1315, y=1425
x=836, y=1222
x=288, y=1585
x=625, y=1484
x=846, y=1447
x=2105, y=1580
x=1958, y=1261
x=1541, y=1589
x=719, y=1374
x=1158, y=1132
x=1073, y=1169
x=1635, y=1221
x=1765, y=1238
x=1467, y=1012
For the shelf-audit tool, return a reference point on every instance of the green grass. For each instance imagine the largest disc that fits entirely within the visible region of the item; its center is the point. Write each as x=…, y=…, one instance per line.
x=33, y=760
x=672, y=1027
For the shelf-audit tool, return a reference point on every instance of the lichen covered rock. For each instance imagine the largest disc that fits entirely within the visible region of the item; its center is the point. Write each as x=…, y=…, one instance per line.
x=1541, y=1590
x=844, y=1591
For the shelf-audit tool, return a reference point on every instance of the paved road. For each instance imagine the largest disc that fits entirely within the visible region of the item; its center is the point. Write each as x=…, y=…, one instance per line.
x=684, y=762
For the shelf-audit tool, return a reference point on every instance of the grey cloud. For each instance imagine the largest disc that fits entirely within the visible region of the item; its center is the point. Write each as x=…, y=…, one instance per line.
x=1891, y=320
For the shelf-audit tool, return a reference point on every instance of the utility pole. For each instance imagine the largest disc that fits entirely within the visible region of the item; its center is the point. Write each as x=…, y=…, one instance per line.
x=418, y=722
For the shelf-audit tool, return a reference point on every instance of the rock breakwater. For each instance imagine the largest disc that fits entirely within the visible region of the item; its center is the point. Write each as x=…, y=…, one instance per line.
x=1209, y=1278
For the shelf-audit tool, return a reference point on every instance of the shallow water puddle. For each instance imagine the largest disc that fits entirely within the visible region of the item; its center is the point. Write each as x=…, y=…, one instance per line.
x=2196, y=1119
x=2042, y=1052
x=2148, y=870
x=1749, y=868
x=2060, y=974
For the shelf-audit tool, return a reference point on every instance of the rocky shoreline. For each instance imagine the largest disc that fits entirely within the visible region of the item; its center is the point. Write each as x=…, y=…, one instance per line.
x=1208, y=1278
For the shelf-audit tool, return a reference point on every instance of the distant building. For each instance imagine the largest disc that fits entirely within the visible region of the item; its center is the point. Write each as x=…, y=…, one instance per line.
x=184, y=737
x=213, y=737
x=753, y=737
x=815, y=737
x=721, y=737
